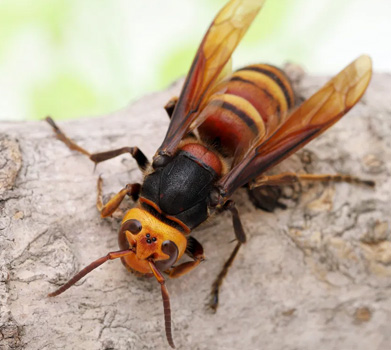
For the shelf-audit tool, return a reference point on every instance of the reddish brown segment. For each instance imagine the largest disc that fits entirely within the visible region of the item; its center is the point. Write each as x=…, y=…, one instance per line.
x=205, y=156
x=245, y=109
x=216, y=48
x=267, y=88
x=231, y=120
x=312, y=118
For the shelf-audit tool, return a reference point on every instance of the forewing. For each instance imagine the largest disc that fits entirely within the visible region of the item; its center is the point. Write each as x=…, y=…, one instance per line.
x=216, y=48
x=312, y=118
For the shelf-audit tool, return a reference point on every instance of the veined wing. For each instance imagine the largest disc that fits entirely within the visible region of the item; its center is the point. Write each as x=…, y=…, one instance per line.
x=217, y=46
x=313, y=117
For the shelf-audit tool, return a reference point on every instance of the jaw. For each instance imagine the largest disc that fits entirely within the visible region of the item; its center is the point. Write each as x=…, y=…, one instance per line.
x=155, y=241
x=132, y=262
x=143, y=252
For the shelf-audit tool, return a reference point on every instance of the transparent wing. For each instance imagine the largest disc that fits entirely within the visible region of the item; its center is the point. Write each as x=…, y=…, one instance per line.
x=312, y=118
x=217, y=46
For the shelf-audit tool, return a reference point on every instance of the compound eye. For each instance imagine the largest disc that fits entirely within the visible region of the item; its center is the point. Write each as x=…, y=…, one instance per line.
x=171, y=249
x=134, y=226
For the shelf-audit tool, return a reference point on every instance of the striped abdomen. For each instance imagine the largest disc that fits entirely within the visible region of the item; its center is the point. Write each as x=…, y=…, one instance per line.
x=246, y=107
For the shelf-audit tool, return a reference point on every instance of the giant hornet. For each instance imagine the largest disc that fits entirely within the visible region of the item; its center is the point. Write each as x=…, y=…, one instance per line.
x=226, y=130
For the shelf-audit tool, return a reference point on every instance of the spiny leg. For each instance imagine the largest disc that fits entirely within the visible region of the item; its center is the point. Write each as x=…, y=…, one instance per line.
x=241, y=237
x=290, y=178
x=135, y=152
x=132, y=190
x=195, y=251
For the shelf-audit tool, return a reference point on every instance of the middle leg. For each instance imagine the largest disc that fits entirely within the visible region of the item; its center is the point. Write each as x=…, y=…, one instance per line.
x=241, y=239
x=214, y=303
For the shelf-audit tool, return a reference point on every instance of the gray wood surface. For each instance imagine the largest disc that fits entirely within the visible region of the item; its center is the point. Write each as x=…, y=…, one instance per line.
x=314, y=276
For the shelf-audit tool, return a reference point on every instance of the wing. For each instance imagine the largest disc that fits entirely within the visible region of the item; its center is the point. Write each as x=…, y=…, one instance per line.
x=312, y=118
x=221, y=39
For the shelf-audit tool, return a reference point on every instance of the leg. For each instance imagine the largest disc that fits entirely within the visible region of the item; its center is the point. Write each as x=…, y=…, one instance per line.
x=219, y=280
x=139, y=156
x=290, y=178
x=195, y=251
x=241, y=237
x=238, y=228
x=170, y=106
x=266, y=197
x=109, y=208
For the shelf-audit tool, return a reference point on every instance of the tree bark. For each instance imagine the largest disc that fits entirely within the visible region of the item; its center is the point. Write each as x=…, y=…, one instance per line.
x=314, y=276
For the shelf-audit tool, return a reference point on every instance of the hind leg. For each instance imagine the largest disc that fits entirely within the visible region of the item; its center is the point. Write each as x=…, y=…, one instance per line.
x=290, y=178
x=264, y=192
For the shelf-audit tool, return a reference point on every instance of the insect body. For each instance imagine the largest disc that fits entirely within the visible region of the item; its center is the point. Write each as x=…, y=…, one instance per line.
x=226, y=130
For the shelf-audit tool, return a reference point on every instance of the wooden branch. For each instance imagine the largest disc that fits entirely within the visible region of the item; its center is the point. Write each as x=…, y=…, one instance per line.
x=314, y=276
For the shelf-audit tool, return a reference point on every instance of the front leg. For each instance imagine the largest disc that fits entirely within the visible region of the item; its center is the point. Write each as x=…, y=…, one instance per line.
x=195, y=251
x=132, y=190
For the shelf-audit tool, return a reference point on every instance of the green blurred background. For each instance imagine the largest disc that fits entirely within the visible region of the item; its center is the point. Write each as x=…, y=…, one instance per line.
x=72, y=58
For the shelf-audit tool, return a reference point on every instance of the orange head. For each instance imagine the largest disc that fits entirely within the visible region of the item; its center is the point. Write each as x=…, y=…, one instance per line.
x=148, y=246
x=150, y=239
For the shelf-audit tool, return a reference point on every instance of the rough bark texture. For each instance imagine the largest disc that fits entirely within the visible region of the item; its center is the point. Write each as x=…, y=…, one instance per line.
x=314, y=276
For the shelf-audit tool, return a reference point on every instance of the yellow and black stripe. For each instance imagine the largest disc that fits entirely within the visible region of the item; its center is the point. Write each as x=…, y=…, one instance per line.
x=278, y=76
x=246, y=107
